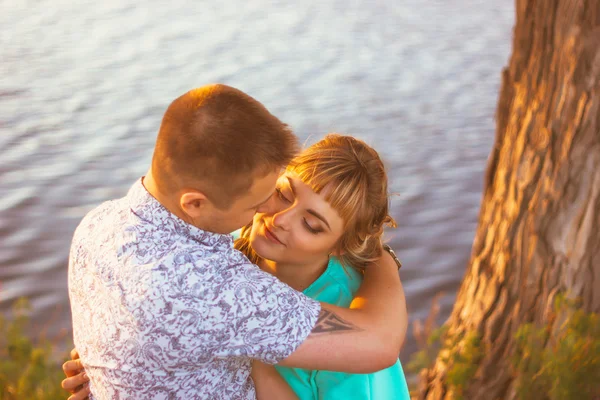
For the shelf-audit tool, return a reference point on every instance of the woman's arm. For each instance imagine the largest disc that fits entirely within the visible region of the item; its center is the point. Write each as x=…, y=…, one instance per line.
x=77, y=379
x=365, y=338
x=269, y=384
x=267, y=381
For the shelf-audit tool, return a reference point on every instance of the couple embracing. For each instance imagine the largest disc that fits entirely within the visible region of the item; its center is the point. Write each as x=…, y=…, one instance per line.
x=168, y=304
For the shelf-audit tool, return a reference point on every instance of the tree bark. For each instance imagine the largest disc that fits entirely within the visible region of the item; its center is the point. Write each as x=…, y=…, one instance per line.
x=539, y=224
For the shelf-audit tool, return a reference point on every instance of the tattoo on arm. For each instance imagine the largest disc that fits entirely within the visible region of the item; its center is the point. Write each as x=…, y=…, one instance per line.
x=329, y=322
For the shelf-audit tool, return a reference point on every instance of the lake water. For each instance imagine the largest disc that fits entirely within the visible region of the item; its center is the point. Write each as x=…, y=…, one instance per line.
x=84, y=84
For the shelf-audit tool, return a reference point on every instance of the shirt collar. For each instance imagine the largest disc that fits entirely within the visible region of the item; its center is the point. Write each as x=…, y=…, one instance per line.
x=151, y=211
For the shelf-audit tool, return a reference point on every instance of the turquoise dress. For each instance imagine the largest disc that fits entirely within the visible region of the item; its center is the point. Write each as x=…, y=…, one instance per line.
x=337, y=285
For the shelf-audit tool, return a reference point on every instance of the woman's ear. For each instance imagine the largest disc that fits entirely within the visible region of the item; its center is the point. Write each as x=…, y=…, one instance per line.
x=336, y=253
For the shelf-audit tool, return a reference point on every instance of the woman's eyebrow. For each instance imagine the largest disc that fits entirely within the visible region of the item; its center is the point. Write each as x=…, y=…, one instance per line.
x=311, y=212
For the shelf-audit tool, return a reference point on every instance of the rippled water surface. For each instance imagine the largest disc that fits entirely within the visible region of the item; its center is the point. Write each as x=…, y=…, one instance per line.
x=83, y=85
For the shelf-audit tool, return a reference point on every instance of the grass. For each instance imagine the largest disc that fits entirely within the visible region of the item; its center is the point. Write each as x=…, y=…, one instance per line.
x=28, y=369
x=558, y=360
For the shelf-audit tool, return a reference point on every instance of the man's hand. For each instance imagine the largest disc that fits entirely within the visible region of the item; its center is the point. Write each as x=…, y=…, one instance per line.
x=76, y=381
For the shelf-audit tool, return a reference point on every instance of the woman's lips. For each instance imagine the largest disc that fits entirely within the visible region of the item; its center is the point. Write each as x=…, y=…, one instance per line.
x=271, y=236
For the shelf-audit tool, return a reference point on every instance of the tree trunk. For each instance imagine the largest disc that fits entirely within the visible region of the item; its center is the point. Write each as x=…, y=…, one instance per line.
x=539, y=224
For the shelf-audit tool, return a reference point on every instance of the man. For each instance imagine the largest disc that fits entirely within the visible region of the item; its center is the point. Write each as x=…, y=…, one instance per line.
x=164, y=307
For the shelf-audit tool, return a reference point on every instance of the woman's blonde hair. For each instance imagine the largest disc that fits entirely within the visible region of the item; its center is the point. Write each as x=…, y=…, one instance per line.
x=357, y=189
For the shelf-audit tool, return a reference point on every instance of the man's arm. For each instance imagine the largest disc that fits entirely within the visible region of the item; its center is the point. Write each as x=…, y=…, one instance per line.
x=364, y=338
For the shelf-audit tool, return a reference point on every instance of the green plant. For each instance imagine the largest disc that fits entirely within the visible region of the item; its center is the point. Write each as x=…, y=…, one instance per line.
x=428, y=337
x=461, y=353
x=560, y=360
x=462, y=358
x=27, y=369
x=427, y=354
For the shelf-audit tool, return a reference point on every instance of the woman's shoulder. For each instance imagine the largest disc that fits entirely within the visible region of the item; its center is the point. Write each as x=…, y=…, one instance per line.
x=345, y=276
x=337, y=285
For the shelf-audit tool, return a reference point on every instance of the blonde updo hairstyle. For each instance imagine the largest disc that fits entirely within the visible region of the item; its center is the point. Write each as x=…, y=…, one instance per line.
x=357, y=189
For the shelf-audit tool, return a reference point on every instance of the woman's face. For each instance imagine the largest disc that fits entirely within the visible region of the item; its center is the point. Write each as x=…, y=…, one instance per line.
x=298, y=226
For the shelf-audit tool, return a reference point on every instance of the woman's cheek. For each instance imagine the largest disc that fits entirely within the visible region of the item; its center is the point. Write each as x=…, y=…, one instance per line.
x=306, y=243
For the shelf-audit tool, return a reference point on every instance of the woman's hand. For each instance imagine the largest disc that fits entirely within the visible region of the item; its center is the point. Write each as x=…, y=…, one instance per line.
x=269, y=384
x=77, y=379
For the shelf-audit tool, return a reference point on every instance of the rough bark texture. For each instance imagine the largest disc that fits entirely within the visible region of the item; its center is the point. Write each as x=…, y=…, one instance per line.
x=539, y=224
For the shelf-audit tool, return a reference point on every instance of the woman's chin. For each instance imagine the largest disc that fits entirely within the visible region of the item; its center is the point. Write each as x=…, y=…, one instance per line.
x=262, y=247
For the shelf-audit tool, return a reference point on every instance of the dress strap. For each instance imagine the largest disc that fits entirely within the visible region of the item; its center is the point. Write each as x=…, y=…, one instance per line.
x=389, y=250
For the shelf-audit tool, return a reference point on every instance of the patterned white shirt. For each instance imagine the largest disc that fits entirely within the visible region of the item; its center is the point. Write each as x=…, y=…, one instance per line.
x=164, y=310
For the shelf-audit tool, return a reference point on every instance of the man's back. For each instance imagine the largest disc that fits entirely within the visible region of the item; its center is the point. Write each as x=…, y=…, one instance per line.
x=165, y=310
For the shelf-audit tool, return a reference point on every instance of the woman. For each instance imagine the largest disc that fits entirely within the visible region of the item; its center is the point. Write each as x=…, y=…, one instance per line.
x=324, y=224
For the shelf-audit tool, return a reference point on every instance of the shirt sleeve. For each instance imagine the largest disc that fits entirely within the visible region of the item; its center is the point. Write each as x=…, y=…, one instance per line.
x=265, y=318
x=232, y=311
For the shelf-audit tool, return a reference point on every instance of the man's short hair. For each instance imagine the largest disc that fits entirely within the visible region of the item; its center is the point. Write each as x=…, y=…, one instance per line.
x=215, y=139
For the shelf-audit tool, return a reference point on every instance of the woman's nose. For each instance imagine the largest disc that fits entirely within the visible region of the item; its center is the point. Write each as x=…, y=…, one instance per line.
x=281, y=219
x=278, y=212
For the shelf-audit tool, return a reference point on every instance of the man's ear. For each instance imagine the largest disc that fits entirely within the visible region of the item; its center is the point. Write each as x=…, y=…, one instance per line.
x=193, y=203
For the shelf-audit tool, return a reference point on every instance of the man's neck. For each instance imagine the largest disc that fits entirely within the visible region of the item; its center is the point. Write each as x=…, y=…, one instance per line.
x=172, y=206
x=299, y=277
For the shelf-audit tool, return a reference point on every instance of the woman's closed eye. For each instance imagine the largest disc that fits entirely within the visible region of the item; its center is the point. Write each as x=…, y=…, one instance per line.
x=285, y=197
x=312, y=230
